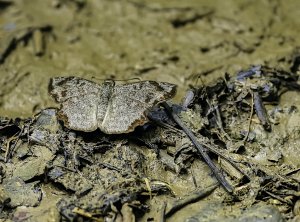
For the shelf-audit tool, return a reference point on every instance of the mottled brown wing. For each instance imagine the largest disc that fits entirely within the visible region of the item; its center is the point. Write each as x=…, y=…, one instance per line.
x=82, y=105
x=128, y=105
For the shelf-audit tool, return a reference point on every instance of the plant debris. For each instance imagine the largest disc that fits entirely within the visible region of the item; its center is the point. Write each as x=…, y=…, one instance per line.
x=229, y=151
x=105, y=177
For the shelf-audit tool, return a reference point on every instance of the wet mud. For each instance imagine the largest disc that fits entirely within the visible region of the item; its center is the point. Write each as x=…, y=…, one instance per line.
x=236, y=67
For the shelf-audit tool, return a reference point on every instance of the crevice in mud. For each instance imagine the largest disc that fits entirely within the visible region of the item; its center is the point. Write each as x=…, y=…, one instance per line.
x=180, y=22
x=243, y=116
x=159, y=9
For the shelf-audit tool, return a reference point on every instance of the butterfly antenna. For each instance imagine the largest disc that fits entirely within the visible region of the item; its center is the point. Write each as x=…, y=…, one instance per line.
x=109, y=79
x=117, y=80
x=135, y=78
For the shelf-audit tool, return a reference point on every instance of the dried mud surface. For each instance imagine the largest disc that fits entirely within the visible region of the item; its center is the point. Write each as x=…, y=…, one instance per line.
x=182, y=42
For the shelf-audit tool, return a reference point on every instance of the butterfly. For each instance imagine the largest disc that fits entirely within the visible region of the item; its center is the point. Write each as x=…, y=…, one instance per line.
x=114, y=109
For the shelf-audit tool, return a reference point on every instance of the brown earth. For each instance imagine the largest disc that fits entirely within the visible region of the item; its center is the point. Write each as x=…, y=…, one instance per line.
x=181, y=42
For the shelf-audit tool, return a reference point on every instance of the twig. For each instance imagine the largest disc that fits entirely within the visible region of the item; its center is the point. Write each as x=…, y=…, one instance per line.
x=228, y=159
x=261, y=111
x=86, y=214
x=289, y=202
x=8, y=148
x=201, y=149
x=216, y=113
x=250, y=118
x=193, y=197
x=164, y=125
x=163, y=212
x=220, y=124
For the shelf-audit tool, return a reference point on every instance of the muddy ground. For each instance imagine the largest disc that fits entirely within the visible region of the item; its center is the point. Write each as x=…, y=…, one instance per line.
x=187, y=43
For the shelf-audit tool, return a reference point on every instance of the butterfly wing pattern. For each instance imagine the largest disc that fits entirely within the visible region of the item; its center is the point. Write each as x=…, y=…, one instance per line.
x=71, y=93
x=129, y=103
x=86, y=106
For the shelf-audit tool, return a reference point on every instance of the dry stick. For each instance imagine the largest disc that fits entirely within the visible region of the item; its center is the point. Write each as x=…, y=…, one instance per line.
x=261, y=111
x=163, y=212
x=250, y=118
x=219, y=122
x=86, y=214
x=228, y=159
x=164, y=125
x=217, y=115
x=8, y=150
x=193, y=197
x=218, y=174
x=289, y=202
